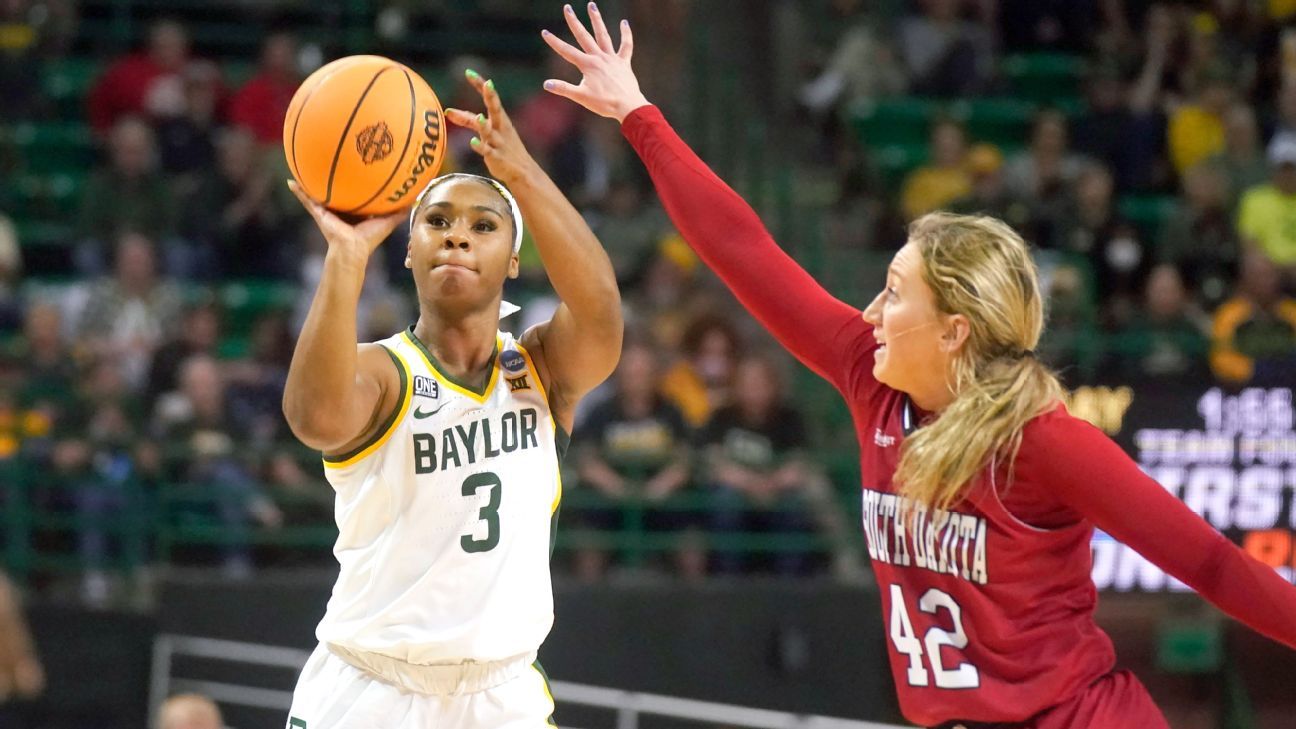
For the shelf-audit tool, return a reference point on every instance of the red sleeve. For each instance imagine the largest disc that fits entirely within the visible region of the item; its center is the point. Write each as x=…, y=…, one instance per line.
x=104, y=99
x=1089, y=473
x=827, y=335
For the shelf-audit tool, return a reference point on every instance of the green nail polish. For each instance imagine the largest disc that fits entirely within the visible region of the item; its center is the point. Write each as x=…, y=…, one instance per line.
x=471, y=74
x=474, y=142
x=481, y=119
x=491, y=84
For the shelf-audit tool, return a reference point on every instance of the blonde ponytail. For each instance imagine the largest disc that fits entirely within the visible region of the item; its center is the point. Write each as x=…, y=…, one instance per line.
x=978, y=267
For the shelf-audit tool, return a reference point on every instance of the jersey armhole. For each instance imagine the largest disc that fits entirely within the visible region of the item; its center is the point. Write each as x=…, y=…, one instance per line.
x=384, y=432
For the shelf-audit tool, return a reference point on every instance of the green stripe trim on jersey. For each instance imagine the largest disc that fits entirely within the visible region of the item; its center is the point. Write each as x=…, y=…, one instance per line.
x=387, y=424
x=548, y=689
x=562, y=439
x=553, y=529
x=441, y=370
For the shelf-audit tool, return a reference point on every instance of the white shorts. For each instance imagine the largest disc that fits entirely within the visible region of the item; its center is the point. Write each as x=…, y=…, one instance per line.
x=333, y=694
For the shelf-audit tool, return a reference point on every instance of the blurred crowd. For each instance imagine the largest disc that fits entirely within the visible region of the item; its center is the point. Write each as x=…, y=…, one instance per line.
x=126, y=399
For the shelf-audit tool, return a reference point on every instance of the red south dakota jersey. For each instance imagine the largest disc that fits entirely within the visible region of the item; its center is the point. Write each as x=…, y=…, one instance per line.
x=988, y=606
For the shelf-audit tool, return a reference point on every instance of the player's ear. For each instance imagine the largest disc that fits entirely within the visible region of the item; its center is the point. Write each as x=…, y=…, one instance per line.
x=513, y=266
x=957, y=330
x=409, y=253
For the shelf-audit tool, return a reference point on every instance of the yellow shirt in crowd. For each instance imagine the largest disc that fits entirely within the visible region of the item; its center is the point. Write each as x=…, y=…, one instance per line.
x=1268, y=217
x=1195, y=134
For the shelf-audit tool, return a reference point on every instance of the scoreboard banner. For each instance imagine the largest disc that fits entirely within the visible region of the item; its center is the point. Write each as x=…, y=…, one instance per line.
x=1229, y=456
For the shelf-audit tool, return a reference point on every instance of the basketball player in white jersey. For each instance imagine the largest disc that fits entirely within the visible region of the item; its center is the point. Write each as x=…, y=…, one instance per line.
x=442, y=443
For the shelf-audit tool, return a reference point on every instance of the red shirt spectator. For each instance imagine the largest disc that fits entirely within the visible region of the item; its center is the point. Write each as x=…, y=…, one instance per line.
x=147, y=84
x=261, y=105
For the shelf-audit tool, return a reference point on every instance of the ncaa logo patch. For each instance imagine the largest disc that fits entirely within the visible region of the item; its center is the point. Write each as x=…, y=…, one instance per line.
x=425, y=386
x=512, y=361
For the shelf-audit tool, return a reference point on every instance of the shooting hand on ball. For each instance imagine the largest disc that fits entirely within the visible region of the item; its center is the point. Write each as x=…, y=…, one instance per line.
x=608, y=85
x=360, y=239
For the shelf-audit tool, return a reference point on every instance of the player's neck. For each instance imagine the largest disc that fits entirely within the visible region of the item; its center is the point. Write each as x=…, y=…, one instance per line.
x=463, y=345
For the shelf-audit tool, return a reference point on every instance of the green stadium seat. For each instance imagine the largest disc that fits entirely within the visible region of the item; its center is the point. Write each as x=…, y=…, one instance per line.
x=895, y=161
x=54, y=147
x=893, y=121
x=46, y=197
x=1149, y=212
x=67, y=82
x=44, y=234
x=245, y=300
x=1044, y=78
x=1000, y=121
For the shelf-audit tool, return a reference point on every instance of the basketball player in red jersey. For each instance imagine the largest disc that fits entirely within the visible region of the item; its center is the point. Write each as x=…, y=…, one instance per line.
x=980, y=491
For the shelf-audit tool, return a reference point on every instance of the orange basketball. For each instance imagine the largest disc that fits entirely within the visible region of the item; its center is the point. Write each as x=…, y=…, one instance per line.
x=364, y=135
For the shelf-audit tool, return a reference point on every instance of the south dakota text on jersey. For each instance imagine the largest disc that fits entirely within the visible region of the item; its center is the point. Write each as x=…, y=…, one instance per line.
x=947, y=542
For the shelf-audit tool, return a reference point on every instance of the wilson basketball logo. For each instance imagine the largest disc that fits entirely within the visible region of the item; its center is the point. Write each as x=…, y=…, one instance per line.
x=374, y=143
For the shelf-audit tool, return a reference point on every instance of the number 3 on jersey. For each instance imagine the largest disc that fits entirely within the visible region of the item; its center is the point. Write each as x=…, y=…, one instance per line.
x=906, y=641
x=488, y=513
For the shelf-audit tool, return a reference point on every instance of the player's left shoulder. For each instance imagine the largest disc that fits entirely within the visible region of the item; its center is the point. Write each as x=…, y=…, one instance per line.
x=1056, y=427
x=520, y=368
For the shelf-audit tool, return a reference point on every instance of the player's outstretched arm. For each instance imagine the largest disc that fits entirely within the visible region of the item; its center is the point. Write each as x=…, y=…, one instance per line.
x=337, y=391
x=827, y=335
x=1093, y=476
x=579, y=347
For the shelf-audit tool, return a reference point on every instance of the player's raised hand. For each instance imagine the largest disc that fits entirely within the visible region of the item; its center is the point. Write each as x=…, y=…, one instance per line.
x=497, y=141
x=359, y=239
x=608, y=85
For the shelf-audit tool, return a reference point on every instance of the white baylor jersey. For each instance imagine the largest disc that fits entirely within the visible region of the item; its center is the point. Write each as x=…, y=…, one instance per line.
x=445, y=518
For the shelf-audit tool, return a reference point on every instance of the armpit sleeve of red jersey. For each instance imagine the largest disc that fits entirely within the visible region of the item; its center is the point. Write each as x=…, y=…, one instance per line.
x=1092, y=475
x=827, y=335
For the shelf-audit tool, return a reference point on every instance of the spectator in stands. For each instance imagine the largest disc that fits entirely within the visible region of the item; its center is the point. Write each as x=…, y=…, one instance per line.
x=233, y=218
x=96, y=469
x=21, y=673
x=1243, y=159
x=943, y=180
x=20, y=63
x=256, y=382
x=189, y=711
x=701, y=382
x=1199, y=239
x=631, y=224
x=944, y=54
x=634, y=452
x=666, y=299
x=1196, y=129
x=1253, y=338
x=1123, y=126
x=1093, y=228
x=128, y=315
x=757, y=467
x=129, y=194
x=1282, y=128
x=1043, y=175
x=989, y=194
x=187, y=143
x=47, y=368
x=194, y=424
x=1064, y=26
x=1166, y=343
x=199, y=333
x=1266, y=213
x=261, y=105
x=10, y=276
x=863, y=66
x=148, y=84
